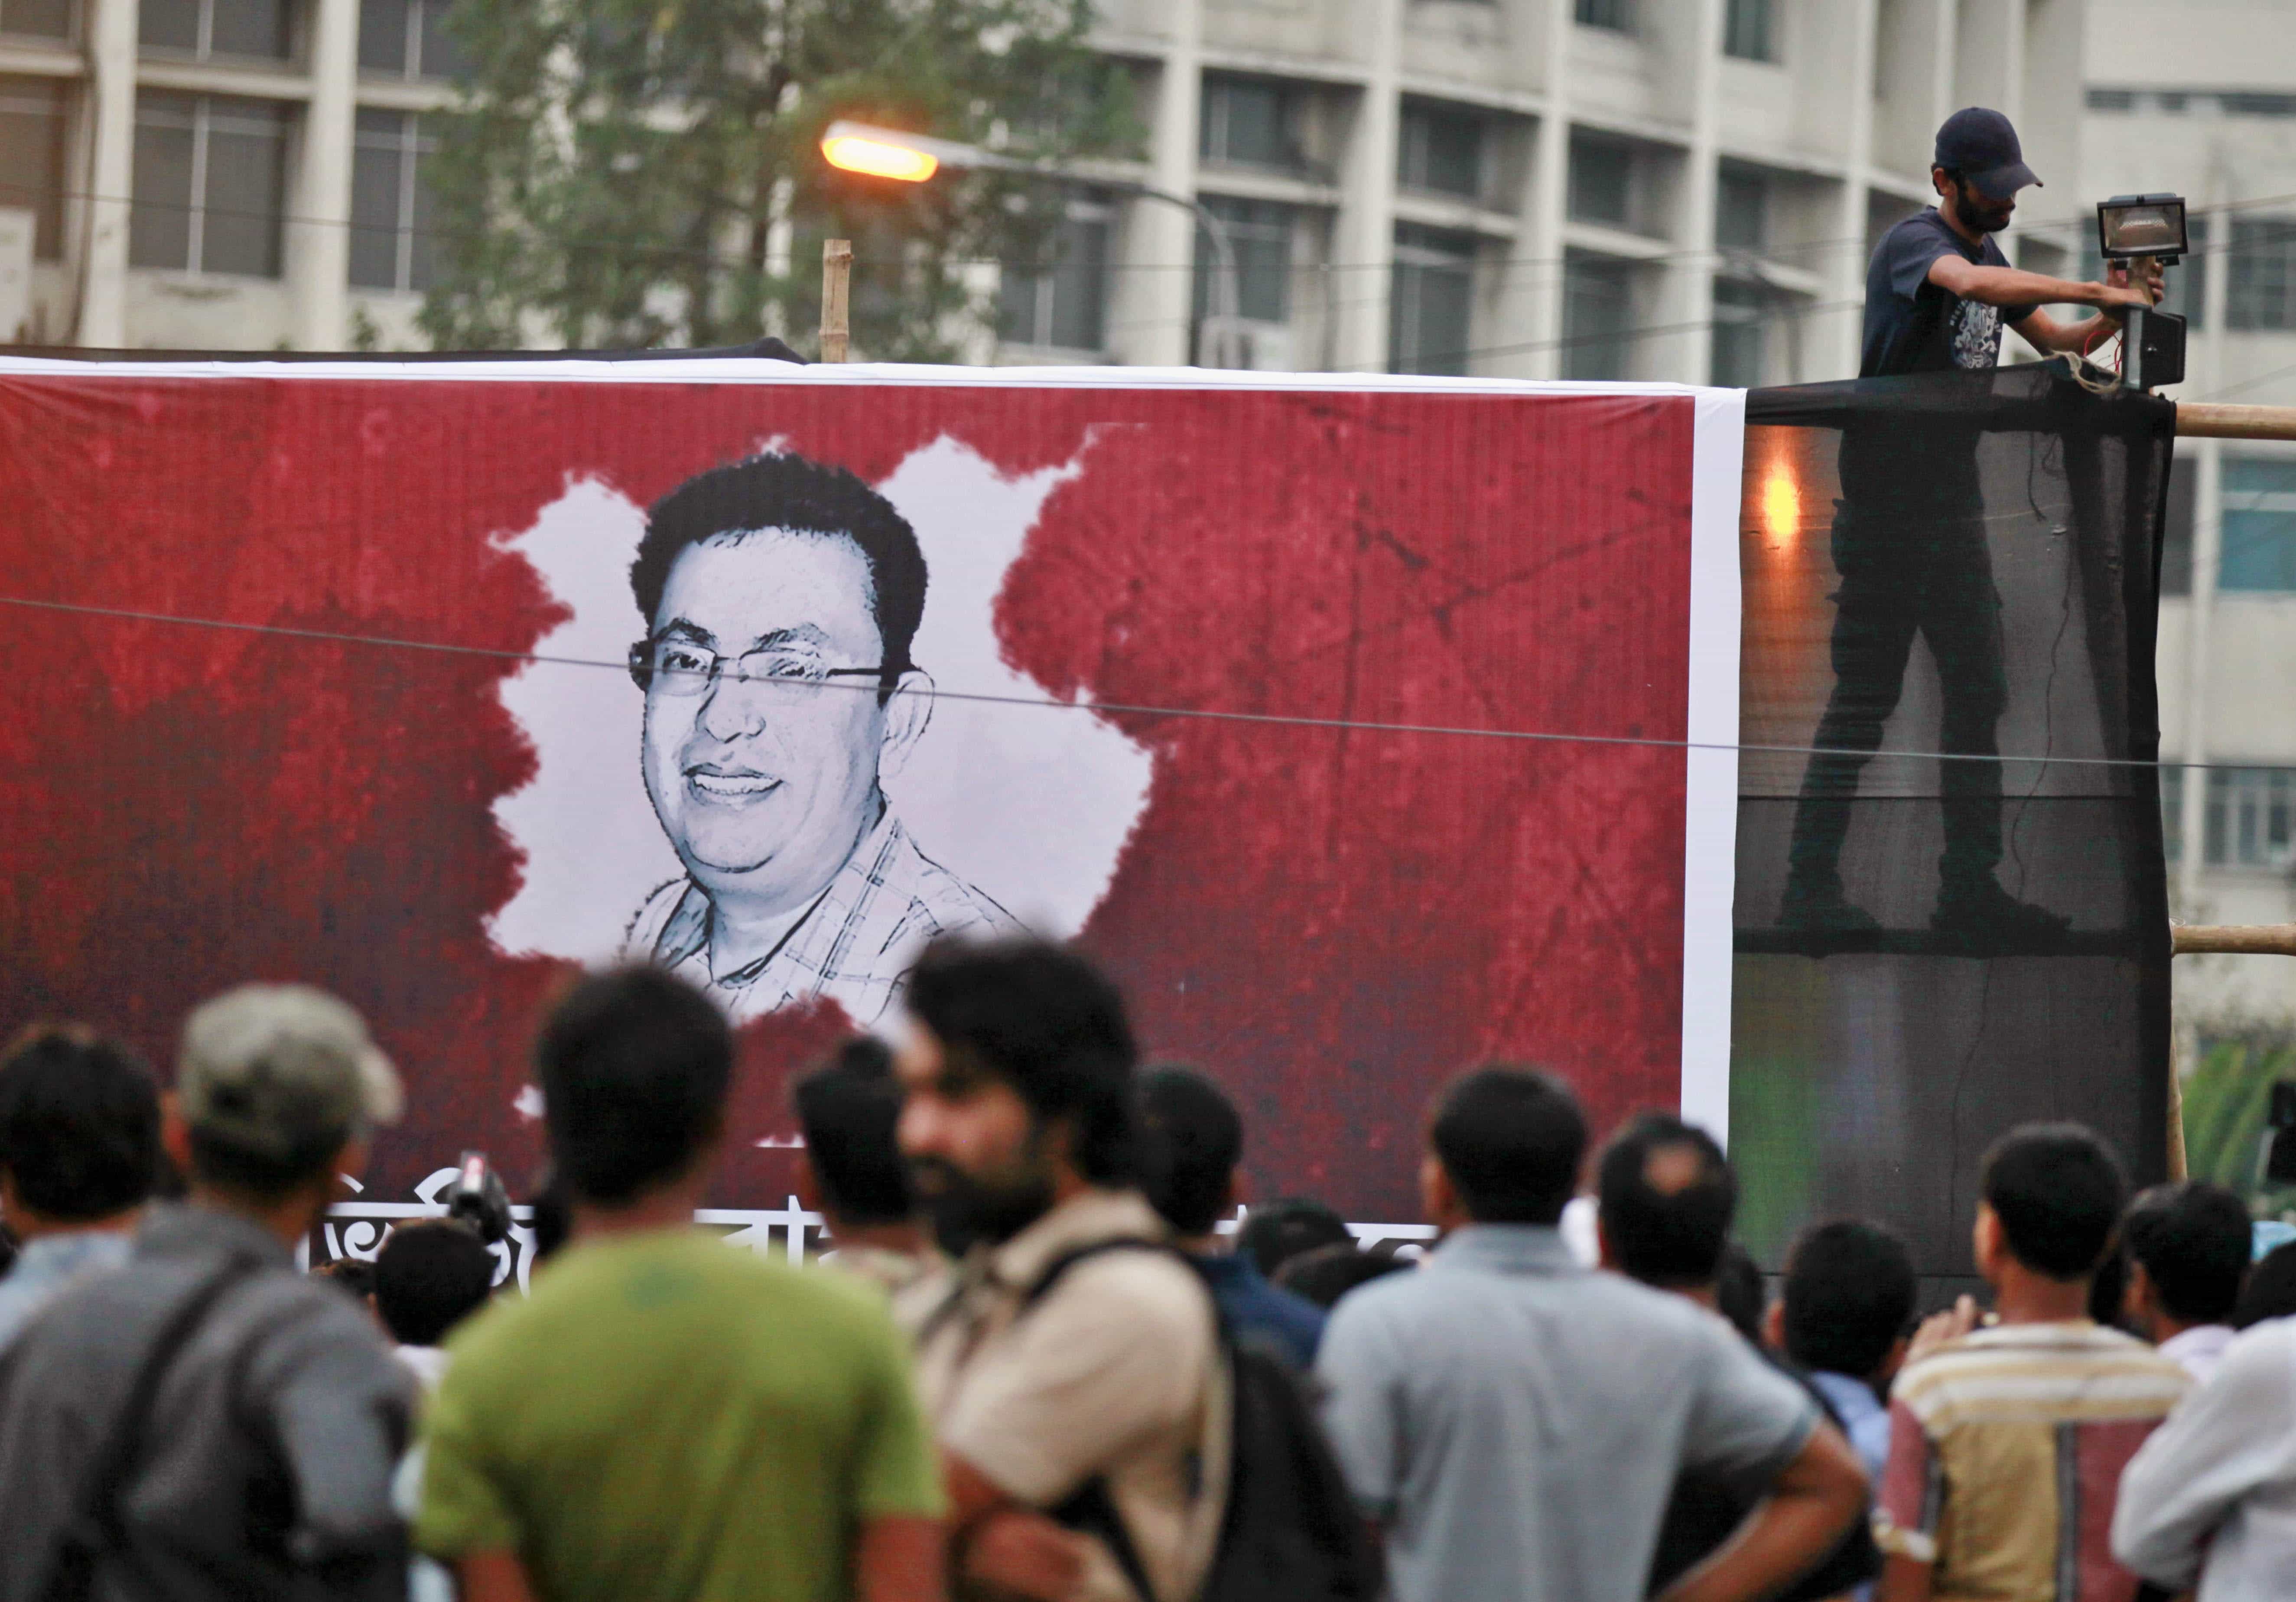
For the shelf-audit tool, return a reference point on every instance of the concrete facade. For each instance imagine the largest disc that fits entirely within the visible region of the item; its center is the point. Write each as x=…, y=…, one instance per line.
x=2200, y=99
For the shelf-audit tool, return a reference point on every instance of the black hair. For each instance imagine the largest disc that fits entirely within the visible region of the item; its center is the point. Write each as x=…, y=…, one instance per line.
x=429, y=1277
x=1512, y=1140
x=1045, y=1020
x=1328, y=1273
x=2058, y=1191
x=2194, y=1240
x=1276, y=1232
x=2270, y=1292
x=848, y=1109
x=79, y=1124
x=228, y=1166
x=1849, y=1289
x=1194, y=1141
x=1672, y=1237
x=553, y=1219
x=804, y=496
x=352, y=1276
x=1739, y=1293
x=634, y=1066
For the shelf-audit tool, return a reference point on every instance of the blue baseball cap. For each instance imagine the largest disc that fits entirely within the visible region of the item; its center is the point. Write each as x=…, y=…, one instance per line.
x=1980, y=144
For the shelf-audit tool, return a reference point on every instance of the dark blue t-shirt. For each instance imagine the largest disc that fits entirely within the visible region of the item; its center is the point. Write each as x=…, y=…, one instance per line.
x=1250, y=1305
x=1914, y=326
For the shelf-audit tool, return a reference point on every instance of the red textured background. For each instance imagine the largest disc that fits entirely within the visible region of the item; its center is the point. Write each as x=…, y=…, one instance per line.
x=1332, y=921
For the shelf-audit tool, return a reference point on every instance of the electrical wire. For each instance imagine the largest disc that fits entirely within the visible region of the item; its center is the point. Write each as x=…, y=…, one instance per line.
x=1048, y=703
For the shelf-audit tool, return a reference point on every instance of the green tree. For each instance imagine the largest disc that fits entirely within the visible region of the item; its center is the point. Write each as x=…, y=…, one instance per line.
x=615, y=170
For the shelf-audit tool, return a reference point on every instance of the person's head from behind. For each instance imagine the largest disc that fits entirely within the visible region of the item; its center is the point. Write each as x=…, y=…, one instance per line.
x=277, y=1087
x=1191, y=1141
x=849, y=1112
x=1018, y=1074
x=781, y=597
x=429, y=1277
x=635, y=1066
x=1275, y=1232
x=2270, y=1292
x=1505, y=1147
x=1328, y=1273
x=2052, y=1199
x=79, y=1132
x=1665, y=1197
x=2188, y=1247
x=1847, y=1296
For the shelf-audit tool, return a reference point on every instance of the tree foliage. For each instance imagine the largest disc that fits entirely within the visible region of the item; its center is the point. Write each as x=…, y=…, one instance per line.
x=629, y=173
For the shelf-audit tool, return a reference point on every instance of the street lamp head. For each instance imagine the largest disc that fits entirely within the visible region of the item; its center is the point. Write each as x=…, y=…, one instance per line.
x=877, y=152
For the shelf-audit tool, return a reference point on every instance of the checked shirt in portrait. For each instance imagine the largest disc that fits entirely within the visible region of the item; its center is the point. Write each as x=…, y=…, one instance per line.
x=853, y=946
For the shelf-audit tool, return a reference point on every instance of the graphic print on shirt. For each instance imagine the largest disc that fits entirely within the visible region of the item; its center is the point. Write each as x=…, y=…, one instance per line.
x=1976, y=336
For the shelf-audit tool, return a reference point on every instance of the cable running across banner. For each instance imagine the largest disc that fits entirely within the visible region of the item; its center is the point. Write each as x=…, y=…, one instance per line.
x=1282, y=719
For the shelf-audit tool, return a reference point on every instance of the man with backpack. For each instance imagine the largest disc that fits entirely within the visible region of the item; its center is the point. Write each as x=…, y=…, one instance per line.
x=1100, y=1437
x=205, y=1422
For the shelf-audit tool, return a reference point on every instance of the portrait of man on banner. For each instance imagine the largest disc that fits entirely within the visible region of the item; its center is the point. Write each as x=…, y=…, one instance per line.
x=781, y=598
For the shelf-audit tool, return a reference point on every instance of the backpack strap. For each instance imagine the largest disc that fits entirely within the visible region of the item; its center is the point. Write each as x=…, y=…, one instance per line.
x=94, y=1526
x=1091, y=1508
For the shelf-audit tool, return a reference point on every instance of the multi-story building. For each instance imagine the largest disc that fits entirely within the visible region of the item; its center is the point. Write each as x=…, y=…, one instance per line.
x=1681, y=189
x=2200, y=98
x=218, y=174
x=1643, y=188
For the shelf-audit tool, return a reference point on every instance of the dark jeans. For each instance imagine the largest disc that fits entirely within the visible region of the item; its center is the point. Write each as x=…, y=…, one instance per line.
x=1902, y=576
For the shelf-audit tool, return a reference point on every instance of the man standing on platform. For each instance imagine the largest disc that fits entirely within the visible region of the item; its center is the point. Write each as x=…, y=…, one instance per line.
x=1910, y=535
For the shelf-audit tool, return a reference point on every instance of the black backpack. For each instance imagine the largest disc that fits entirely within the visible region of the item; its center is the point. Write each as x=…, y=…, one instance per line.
x=1290, y=1532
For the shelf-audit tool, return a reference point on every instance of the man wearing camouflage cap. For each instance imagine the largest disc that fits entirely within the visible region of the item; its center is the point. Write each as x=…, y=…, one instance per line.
x=207, y=1422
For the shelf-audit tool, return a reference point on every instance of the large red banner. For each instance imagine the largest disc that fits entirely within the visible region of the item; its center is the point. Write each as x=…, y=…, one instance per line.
x=1256, y=689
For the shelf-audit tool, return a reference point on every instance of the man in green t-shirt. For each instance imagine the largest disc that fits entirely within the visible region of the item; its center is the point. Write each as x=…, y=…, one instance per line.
x=667, y=1420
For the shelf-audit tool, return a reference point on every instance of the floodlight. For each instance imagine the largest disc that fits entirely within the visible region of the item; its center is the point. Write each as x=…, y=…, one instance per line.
x=2134, y=226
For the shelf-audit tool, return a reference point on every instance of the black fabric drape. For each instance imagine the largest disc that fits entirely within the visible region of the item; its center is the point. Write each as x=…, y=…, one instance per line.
x=1954, y=919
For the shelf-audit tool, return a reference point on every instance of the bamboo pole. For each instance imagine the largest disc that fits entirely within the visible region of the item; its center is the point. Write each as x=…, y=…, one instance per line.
x=2256, y=940
x=836, y=290
x=2212, y=420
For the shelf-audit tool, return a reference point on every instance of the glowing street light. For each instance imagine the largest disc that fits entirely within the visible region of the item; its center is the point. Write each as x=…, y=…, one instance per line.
x=858, y=153
x=913, y=158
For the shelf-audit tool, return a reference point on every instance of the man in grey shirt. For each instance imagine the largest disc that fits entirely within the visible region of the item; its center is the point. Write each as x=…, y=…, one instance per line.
x=1516, y=1422
x=264, y=1461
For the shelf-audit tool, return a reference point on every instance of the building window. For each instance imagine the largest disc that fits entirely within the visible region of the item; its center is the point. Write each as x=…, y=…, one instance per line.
x=1617, y=15
x=1741, y=209
x=2176, y=531
x=1749, y=30
x=1602, y=181
x=2244, y=104
x=408, y=39
x=38, y=18
x=2112, y=100
x=2259, y=526
x=1431, y=302
x=210, y=184
x=1741, y=333
x=1063, y=305
x=393, y=246
x=1259, y=232
x=2172, y=813
x=32, y=157
x=2245, y=821
x=1248, y=122
x=1441, y=151
x=2262, y=293
x=1597, y=311
x=261, y=30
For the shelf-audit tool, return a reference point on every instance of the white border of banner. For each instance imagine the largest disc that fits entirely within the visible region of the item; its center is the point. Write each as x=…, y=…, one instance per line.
x=1711, y=813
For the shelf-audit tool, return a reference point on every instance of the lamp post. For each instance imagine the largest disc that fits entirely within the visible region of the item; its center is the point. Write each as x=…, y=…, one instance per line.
x=913, y=158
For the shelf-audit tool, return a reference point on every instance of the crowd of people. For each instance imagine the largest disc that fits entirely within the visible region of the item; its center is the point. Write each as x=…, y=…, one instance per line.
x=1033, y=1366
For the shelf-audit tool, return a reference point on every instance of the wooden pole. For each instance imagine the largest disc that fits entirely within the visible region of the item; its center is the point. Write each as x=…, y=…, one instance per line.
x=2211, y=420
x=2256, y=940
x=836, y=290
